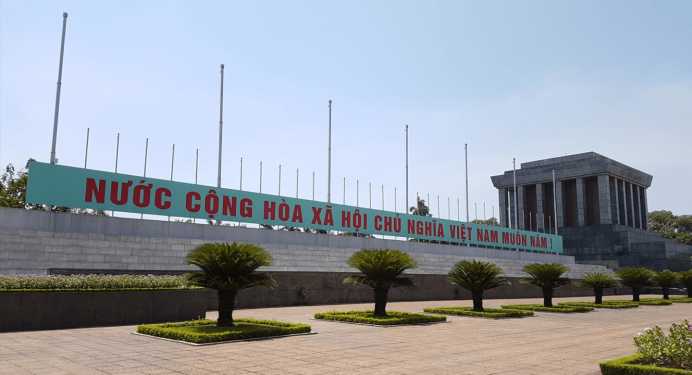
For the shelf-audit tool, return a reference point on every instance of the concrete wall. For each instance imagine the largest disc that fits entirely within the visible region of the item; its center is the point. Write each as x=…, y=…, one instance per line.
x=34, y=242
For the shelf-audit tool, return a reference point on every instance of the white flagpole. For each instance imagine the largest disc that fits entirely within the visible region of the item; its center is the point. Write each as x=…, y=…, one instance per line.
x=370, y=193
x=297, y=179
x=357, y=192
x=218, y=174
x=53, y=159
x=146, y=154
x=86, y=150
x=449, y=209
x=382, y=197
x=516, y=202
x=407, y=167
x=344, y=199
x=394, y=199
x=313, y=185
x=439, y=214
x=554, y=201
x=329, y=157
x=172, y=161
x=279, y=180
x=117, y=152
x=194, y=220
x=458, y=210
x=260, y=185
x=241, y=173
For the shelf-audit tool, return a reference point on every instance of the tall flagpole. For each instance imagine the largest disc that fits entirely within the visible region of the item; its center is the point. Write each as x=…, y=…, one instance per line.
x=117, y=151
x=53, y=160
x=394, y=199
x=279, y=180
x=516, y=202
x=172, y=160
x=370, y=193
x=218, y=174
x=196, y=164
x=357, y=192
x=344, y=200
x=260, y=187
x=407, y=206
x=86, y=150
x=466, y=163
x=313, y=185
x=241, y=173
x=146, y=155
x=297, y=179
x=554, y=202
x=329, y=157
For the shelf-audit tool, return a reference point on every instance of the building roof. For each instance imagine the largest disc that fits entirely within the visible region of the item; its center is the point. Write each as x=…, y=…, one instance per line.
x=571, y=166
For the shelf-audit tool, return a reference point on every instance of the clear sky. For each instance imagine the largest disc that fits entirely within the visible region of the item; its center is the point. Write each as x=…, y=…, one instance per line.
x=524, y=79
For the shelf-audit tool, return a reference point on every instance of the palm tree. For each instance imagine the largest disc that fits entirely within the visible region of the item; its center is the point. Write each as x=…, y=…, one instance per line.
x=477, y=276
x=229, y=268
x=665, y=279
x=635, y=278
x=421, y=209
x=382, y=269
x=547, y=276
x=685, y=278
x=599, y=281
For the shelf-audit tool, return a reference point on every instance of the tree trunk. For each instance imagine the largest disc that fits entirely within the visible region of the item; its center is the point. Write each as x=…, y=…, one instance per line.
x=666, y=292
x=689, y=292
x=547, y=296
x=381, y=301
x=477, y=301
x=598, y=292
x=635, y=294
x=226, y=306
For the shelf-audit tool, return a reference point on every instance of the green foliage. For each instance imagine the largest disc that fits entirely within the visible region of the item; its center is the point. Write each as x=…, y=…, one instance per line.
x=490, y=221
x=599, y=280
x=541, y=308
x=655, y=302
x=486, y=313
x=546, y=274
x=476, y=276
x=630, y=365
x=368, y=317
x=685, y=278
x=205, y=331
x=673, y=350
x=420, y=209
x=681, y=300
x=670, y=226
x=381, y=268
x=13, y=188
x=665, y=278
x=231, y=266
x=635, y=277
x=604, y=305
x=91, y=282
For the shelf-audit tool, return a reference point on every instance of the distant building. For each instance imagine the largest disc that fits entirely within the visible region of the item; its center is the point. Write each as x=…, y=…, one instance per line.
x=599, y=206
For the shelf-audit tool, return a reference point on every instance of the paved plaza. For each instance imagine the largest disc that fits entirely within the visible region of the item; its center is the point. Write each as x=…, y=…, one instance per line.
x=545, y=344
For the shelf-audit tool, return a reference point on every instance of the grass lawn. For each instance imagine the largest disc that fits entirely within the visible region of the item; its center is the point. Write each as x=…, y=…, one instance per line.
x=392, y=318
x=206, y=331
x=647, y=301
x=555, y=309
x=604, y=305
x=486, y=313
x=681, y=299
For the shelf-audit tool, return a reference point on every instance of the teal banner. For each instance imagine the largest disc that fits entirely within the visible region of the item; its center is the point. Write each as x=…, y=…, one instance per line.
x=72, y=187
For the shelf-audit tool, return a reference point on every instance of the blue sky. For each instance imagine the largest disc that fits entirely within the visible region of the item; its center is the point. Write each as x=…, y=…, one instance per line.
x=530, y=80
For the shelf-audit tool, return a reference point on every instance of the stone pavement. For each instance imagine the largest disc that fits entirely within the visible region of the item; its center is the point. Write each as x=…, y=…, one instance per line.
x=544, y=344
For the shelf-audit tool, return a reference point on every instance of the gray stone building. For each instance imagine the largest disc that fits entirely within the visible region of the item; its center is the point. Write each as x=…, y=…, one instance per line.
x=597, y=204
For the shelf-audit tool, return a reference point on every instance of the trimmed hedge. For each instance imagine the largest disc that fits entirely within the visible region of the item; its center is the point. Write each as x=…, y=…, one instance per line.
x=91, y=283
x=206, y=331
x=604, y=305
x=628, y=366
x=555, y=309
x=655, y=302
x=486, y=313
x=392, y=318
x=681, y=299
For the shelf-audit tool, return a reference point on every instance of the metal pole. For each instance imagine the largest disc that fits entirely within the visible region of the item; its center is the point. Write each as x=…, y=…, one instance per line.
x=53, y=160
x=370, y=193
x=86, y=150
x=484, y=217
x=329, y=157
x=555, y=201
x=449, y=209
x=383, y=197
x=475, y=211
x=172, y=160
x=196, y=164
x=117, y=151
x=493, y=211
x=218, y=174
x=279, y=180
x=297, y=179
x=516, y=202
x=146, y=154
x=394, y=199
x=260, y=187
x=466, y=163
x=344, y=199
x=357, y=193
x=407, y=167
x=458, y=210
x=313, y=185
x=241, y=173
x=438, y=207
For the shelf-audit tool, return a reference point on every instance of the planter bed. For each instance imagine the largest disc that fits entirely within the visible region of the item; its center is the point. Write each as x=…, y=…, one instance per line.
x=681, y=299
x=629, y=366
x=604, y=305
x=555, y=309
x=648, y=301
x=367, y=317
x=206, y=331
x=486, y=313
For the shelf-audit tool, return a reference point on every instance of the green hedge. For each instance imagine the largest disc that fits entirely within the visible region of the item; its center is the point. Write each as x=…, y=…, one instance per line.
x=486, y=313
x=604, y=305
x=206, y=331
x=655, y=302
x=91, y=282
x=367, y=317
x=628, y=366
x=554, y=309
x=681, y=299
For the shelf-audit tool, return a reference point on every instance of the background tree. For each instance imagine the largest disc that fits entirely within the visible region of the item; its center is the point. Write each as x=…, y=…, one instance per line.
x=547, y=276
x=490, y=221
x=477, y=277
x=599, y=281
x=635, y=278
x=420, y=209
x=665, y=279
x=670, y=226
x=13, y=188
x=685, y=278
x=382, y=269
x=229, y=268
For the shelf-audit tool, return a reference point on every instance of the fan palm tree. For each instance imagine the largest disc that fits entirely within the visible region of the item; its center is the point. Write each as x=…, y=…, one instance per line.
x=685, y=278
x=421, y=209
x=382, y=269
x=635, y=278
x=598, y=281
x=477, y=276
x=547, y=276
x=665, y=279
x=229, y=268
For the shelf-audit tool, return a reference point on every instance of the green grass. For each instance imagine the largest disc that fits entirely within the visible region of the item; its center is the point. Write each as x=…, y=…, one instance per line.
x=645, y=301
x=486, y=313
x=681, y=299
x=554, y=309
x=629, y=366
x=367, y=317
x=604, y=305
x=206, y=331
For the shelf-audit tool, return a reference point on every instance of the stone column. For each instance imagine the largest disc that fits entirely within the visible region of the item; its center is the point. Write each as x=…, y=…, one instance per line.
x=558, y=204
x=645, y=206
x=511, y=220
x=604, y=200
x=631, y=202
x=580, y=201
x=502, y=204
x=625, y=203
x=617, y=202
x=539, y=208
x=520, y=197
x=639, y=207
